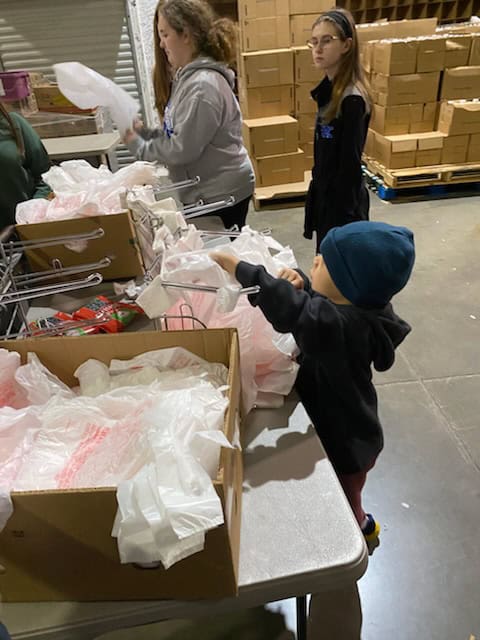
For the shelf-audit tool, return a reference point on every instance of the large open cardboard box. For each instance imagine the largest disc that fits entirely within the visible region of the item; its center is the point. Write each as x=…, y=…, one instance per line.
x=57, y=545
x=120, y=243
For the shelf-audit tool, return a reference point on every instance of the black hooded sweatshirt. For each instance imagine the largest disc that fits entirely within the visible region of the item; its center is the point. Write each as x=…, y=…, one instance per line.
x=338, y=345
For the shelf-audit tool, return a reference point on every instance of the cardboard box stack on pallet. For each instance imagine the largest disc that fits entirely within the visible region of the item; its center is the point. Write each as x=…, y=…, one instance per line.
x=276, y=75
x=49, y=112
x=412, y=80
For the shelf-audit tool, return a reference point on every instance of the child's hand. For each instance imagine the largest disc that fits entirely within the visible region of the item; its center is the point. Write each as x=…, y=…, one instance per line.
x=292, y=276
x=137, y=125
x=128, y=136
x=226, y=261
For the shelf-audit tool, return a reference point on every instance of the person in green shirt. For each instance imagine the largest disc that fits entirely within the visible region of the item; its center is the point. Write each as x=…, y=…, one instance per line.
x=23, y=159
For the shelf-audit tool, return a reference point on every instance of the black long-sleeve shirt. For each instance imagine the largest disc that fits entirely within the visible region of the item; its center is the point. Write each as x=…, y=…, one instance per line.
x=337, y=194
x=338, y=345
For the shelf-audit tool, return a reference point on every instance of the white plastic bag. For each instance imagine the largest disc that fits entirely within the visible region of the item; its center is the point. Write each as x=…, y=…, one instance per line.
x=88, y=89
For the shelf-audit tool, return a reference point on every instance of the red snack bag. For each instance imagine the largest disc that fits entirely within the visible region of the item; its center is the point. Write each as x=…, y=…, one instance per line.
x=117, y=314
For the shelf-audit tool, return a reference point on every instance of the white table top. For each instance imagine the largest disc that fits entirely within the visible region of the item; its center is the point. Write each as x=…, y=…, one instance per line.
x=81, y=146
x=298, y=536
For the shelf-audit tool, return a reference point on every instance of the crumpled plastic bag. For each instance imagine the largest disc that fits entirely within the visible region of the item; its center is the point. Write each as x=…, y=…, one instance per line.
x=82, y=191
x=88, y=89
x=11, y=394
x=169, y=366
x=17, y=433
x=186, y=502
x=268, y=365
x=38, y=383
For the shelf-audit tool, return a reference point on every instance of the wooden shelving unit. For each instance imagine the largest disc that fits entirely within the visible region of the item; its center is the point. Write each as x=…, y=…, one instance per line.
x=373, y=10
x=444, y=10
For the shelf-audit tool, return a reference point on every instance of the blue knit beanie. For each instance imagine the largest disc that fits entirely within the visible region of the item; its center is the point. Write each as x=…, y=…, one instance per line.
x=369, y=262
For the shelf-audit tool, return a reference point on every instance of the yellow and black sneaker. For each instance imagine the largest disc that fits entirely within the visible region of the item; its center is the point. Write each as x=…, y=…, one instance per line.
x=371, y=533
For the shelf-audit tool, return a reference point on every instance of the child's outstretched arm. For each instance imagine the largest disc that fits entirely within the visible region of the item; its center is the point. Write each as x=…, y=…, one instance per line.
x=287, y=308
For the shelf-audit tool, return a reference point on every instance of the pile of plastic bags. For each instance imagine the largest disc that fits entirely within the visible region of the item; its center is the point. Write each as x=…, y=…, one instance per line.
x=268, y=367
x=151, y=426
x=82, y=190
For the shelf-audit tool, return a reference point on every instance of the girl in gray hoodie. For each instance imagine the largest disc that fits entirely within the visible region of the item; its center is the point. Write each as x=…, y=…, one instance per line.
x=202, y=125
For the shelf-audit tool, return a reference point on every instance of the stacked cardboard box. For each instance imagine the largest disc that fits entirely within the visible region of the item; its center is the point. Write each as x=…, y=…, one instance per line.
x=303, y=14
x=307, y=76
x=460, y=121
x=276, y=76
x=264, y=24
x=273, y=147
x=411, y=78
x=266, y=83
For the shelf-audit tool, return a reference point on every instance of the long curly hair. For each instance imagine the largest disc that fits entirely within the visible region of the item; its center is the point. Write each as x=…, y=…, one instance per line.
x=350, y=70
x=213, y=36
x=15, y=132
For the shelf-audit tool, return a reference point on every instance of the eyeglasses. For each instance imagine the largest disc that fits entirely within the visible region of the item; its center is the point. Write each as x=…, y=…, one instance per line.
x=324, y=41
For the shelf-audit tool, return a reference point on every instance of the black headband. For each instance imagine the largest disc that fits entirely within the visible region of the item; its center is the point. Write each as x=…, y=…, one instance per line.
x=341, y=21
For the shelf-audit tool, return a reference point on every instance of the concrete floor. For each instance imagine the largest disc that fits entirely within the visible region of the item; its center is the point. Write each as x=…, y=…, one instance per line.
x=424, y=580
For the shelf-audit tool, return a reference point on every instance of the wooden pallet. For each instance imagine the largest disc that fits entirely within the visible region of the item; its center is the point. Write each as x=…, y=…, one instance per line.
x=282, y=196
x=425, y=176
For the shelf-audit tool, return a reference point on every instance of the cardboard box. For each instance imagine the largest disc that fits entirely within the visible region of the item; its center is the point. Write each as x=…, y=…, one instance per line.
x=396, y=29
x=395, y=152
x=315, y=7
x=270, y=136
x=264, y=102
x=460, y=117
x=405, y=89
x=457, y=51
x=50, y=98
x=265, y=33
x=57, y=545
x=301, y=28
x=455, y=149
x=304, y=103
x=459, y=27
x=403, y=119
x=410, y=150
x=431, y=54
x=306, y=127
x=119, y=243
x=366, y=56
x=369, y=149
x=460, y=83
x=58, y=125
x=428, y=120
x=304, y=68
x=307, y=148
x=475, y=50
x=253, y=9
x=395, y=57
x=280, y=169
x=428, y=157
x=267, y=68
x=473, y=154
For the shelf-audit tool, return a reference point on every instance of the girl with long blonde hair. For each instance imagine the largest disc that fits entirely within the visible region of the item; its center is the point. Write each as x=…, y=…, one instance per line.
x=337, y=194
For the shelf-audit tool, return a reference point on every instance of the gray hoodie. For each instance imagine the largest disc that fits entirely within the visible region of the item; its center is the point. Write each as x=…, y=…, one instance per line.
x=202, y=135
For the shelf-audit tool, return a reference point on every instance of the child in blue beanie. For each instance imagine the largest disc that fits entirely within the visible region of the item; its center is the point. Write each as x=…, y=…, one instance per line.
x=342, y=322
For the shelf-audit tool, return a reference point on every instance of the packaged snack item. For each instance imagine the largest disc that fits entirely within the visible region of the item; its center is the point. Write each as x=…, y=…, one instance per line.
x=45, y=326
x=118, y=315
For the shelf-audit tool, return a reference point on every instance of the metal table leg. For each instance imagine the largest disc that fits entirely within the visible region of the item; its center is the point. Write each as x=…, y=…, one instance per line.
x=301, y=617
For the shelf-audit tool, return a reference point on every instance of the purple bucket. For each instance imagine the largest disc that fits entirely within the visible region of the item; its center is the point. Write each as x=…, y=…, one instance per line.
x=14, y=85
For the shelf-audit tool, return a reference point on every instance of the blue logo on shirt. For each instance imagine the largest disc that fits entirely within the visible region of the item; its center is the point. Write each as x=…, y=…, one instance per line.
x=168, y=121
x=326, y=132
